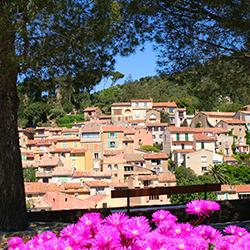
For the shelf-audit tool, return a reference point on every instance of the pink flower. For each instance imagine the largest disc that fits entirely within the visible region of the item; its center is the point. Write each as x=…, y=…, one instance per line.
x=208, y=233
x=235, y=230
x=107, y=238
x=201, y=207
x=163, y=215
x=117, y=220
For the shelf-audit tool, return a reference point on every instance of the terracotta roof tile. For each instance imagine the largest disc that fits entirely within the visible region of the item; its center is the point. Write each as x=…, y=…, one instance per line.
x=61, y=150
x=90, y=109
x=201, y=137
x=97, y=183
x=155, y=156
x=51, y=161
x=40, y=187
x=78, y=151
x=141, y=100
x=112, y=128
x=68, y=139
x=91, y=174
x=242, y=188
x=164, y=104
x=234, y=121
x=183, y=151
x=219, y=114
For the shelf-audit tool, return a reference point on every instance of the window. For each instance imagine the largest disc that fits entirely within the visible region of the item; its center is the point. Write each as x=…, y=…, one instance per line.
x=109, y=167
x=160, y=136
x=115, y=167
x=171, y=110
x=96, y=155
x=153, y=136
x=112, y=135
x=115, y=175
x=62, y=154
x=203, y=169
x=182, y=146
x=146, y=183
x=66, y=199
x=202, y=145
x=145, y=104
x=117, y=111
x=128, y=168
x=186, y=136
x=64, y=144
x=177, y=136
x=90, y=135
x=137, y=114
x=154, y=197
x=112, y=144
x=140, y=142
x=203, y=159
x=75, y=144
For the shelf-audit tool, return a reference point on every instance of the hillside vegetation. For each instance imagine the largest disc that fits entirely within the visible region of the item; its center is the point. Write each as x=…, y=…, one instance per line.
x=220, y=85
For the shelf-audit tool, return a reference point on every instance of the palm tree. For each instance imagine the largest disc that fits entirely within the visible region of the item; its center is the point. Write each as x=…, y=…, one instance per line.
x=219, y=173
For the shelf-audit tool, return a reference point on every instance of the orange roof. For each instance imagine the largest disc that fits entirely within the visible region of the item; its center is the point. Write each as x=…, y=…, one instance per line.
x=55, y=129
x=155, y=156
x=156, y=124
x=51, y=161
x=91, y=174
x=229, y=159
x=113, y=128
x=129, y=131
x=68, y=139
x=219, y=114
x=65, y=130
x=234, y=121
x=40, y=187
x=201, y=137
x=97, y=183
x=242, y=188
x=70, y=185
x=164, y=104
x=61, y=150
x=215, y=130
x=183, y=151
x=78, y=151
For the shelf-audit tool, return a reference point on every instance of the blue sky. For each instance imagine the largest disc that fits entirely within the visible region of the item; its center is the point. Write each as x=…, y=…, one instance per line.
x=137, y=65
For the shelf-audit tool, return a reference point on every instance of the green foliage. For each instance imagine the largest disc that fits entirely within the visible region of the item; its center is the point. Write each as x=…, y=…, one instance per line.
x=186, y=176
x=29, y=174
x=248, y=137
x=158, y=146
x=239, y=174
x=57, y=112
x=149, y=148
x=36, y=113
x=219, y=173
x=164, y=117
x=68, y=107
x=69, y=120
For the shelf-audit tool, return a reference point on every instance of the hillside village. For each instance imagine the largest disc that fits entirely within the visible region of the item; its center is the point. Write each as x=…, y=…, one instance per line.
x=78, y=167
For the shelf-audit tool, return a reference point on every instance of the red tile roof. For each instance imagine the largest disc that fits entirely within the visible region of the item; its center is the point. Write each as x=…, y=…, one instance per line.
x=183, y=151
x=61, y=150
x=219, y=114
x=156, y=124
x=243, y=188
x=234, y=121
x=40, y=187
x=112, y=152
x=201, y=137
x=69, y=139
x=91, y=174
x=155, y=156
x=112, y=128
x=229, y=159
x=164, y=104
x=51, y=161
x=97, y=183
x=183, y=142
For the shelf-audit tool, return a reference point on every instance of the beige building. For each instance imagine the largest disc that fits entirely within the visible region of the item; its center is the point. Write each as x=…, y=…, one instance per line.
x=92, y=113
x=200, y=161
x=237, y=128
x=209, y=119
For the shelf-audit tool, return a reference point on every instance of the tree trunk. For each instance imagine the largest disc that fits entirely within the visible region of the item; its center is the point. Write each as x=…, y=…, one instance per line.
x=13, y=215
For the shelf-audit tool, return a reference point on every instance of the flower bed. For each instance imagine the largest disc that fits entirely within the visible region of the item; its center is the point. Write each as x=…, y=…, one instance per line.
x=118, y=231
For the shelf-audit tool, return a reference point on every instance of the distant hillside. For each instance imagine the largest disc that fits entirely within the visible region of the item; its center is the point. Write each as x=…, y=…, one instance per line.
x=220, y=85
